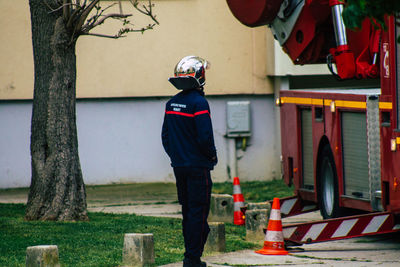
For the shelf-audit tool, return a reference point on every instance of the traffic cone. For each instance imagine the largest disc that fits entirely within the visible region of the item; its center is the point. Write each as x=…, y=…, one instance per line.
x=273, y=242
x=238, y=203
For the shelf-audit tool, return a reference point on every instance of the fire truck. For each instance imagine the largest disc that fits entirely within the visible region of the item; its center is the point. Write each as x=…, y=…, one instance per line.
x=340, y=148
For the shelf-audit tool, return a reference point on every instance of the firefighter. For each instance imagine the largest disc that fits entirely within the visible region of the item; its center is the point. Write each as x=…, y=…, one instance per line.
x=187, y=137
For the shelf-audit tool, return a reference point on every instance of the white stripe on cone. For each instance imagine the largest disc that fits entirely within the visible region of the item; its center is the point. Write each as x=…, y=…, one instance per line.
x=238, y=205
x=274, y=236
x=275, y=215
x=236, y=189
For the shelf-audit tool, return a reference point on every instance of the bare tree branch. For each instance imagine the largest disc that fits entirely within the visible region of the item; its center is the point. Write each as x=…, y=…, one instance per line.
x=76, y=12
x=87, y=27
x=55, y=9
x=122, y=32
x=66, y=9
x=103, y=35
x=97, y=15
x=84, y=15
x=73, y=17
x=147, y=11
x=120, y=7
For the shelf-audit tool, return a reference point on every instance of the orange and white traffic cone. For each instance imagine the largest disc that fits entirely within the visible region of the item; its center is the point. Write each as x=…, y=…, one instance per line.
x=273, y=242
x=238, y=203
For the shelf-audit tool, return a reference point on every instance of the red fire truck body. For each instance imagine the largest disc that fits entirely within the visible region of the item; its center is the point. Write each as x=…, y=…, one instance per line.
x=340, y=148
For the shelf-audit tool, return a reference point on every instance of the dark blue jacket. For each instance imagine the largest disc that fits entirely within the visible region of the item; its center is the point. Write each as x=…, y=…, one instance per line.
x=187, y=133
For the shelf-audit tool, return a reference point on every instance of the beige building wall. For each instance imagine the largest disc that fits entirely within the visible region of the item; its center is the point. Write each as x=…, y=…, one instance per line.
x=139, y=65
x=16, y=69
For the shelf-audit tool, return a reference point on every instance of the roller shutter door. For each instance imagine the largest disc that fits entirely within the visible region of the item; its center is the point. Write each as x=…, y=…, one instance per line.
x=355, y=154
x=307, y=148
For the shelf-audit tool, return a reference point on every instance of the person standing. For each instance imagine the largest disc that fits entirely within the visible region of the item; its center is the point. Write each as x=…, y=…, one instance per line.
x=187, y=138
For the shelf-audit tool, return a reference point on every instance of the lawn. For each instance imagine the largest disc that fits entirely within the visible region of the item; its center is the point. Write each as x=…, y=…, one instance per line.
x=99, y=242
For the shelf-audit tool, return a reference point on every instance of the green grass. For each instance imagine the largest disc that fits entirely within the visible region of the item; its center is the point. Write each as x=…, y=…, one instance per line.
x=256, y=191
x=98, y=242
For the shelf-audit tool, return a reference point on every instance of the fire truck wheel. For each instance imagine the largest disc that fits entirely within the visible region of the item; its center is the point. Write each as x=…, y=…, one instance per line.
x=328, y=194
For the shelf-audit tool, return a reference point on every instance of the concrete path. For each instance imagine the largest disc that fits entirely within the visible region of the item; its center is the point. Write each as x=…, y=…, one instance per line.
x=371, y=251
x=157, y=210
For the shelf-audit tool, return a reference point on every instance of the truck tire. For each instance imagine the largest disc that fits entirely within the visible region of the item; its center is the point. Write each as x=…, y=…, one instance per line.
x=328, y=191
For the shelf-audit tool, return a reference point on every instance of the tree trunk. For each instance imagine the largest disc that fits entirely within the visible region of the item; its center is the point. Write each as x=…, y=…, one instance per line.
x=57, y=190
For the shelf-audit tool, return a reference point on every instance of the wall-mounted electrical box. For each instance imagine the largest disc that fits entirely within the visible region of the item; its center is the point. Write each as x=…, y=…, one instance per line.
x=238, y=119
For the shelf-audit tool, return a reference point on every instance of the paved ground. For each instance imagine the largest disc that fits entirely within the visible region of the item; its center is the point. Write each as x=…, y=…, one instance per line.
x=361, y=252
x=381, y=250
x=368, y=251
x=159, y=210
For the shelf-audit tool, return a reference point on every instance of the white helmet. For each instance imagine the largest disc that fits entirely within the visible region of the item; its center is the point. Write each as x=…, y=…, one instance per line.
x=190, y=73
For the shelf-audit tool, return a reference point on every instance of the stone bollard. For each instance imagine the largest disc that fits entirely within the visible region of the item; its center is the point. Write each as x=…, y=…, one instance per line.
x=221, y=208
x=259, y=206
x=256, y=221
x=138, y=250
x=216, y=237
x=42, y=256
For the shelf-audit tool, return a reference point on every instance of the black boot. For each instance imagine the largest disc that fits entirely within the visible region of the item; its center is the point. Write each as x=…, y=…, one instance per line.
x=190, y=262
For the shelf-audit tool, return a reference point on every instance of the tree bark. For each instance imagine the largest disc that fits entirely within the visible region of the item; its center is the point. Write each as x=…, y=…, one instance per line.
x=57, y=190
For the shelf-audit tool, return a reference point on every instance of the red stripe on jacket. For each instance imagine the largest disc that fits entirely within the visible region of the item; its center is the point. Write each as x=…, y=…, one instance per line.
x=188, y=114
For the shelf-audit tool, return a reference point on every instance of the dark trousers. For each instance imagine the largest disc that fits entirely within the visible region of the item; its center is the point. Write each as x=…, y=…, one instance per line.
x=194, y=192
